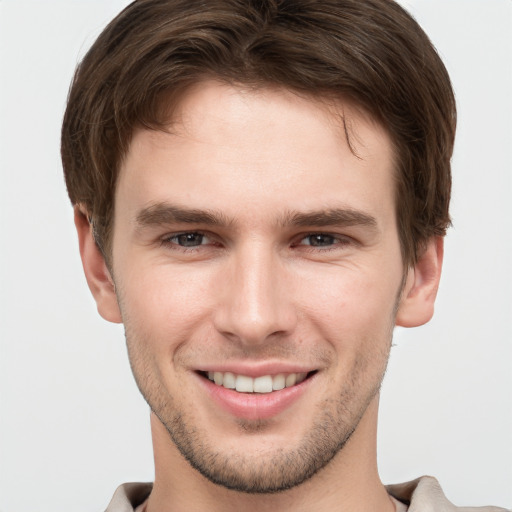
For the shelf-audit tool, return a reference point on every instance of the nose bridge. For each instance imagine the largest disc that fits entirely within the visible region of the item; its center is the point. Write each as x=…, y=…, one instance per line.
x=255, y=303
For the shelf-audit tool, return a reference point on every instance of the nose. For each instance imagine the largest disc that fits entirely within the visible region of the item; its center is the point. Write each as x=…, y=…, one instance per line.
x=255, y=303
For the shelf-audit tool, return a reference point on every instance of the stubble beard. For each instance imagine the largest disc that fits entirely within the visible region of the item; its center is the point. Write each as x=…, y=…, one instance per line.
x=284, y=468
x=256, y=474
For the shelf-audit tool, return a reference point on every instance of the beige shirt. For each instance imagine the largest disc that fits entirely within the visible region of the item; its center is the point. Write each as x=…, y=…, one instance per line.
x=399, y=506
x=421, y=495
x=425, y=495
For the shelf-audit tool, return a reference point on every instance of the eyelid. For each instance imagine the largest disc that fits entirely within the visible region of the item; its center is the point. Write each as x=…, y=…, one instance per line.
x=339, y=239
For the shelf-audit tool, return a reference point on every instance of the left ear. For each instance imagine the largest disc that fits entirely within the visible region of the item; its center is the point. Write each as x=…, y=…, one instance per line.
x=419, y=294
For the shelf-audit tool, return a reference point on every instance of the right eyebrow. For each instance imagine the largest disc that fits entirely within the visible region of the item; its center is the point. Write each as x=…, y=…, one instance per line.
x=331, y=217
x=163, y=213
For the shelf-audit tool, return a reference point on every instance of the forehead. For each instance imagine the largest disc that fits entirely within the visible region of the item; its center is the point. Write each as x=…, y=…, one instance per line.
x=230, y=146
x=215, y=107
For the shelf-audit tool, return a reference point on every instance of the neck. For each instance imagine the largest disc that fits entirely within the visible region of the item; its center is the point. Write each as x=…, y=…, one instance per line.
x=349, y=482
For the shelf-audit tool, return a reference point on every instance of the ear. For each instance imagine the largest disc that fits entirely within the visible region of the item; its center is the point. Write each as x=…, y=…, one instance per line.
x=97, y=274
x=419, y=294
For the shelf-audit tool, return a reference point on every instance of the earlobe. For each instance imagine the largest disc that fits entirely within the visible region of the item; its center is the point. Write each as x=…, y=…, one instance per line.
x=418, y=297
x=97, y=274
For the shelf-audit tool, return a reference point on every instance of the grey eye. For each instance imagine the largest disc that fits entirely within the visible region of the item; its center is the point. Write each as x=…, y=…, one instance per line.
x=189, y=239
x=319, y=240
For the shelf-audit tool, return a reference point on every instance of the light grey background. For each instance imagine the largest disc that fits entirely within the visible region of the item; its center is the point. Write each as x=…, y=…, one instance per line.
x=72, y=423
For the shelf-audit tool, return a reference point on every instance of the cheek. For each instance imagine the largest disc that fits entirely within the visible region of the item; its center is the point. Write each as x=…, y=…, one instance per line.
x=351, y=303
x=164, y=305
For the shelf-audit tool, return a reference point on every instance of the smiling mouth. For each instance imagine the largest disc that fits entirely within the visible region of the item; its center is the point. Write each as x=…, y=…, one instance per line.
x=262, y=385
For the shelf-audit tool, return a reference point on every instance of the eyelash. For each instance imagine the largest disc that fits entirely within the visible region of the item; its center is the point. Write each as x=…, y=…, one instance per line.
x=168, y=241
x=338, y=241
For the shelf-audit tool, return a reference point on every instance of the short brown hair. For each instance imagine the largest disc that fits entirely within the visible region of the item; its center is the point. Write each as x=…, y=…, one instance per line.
x=371, y=52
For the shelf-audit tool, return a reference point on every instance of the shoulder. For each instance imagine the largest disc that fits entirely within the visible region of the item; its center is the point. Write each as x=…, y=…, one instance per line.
x=128, y=496
x=425, y=495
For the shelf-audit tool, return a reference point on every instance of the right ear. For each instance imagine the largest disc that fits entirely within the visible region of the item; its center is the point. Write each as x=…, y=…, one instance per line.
x=96, y=271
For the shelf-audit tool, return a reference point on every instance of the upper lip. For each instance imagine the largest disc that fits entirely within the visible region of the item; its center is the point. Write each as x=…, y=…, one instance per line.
x=256, y=369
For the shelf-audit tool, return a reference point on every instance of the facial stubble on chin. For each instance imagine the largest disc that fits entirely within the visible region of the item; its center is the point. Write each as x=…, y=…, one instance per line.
x=335, y=421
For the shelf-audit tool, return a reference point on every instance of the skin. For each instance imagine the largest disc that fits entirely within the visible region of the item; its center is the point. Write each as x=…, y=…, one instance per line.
x=252, y=291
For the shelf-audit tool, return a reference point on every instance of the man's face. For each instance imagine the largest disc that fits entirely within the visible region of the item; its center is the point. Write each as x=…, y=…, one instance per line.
x=252, y=245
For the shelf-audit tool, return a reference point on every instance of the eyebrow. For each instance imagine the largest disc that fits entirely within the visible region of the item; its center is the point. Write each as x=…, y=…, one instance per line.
x=164, y=213
x=342, y=217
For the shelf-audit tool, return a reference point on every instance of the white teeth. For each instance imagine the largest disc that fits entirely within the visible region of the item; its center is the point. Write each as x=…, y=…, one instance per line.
x=229, y=381
x=278, y=382
x=244, y=384
x=263, y=384
x=291, y=380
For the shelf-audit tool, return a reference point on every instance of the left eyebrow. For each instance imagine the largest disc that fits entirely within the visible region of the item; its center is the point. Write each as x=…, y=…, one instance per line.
x=342, y=217
x=165, y=214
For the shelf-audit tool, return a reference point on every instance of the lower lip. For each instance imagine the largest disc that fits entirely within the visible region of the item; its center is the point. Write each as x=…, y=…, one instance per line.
x=255, y=406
